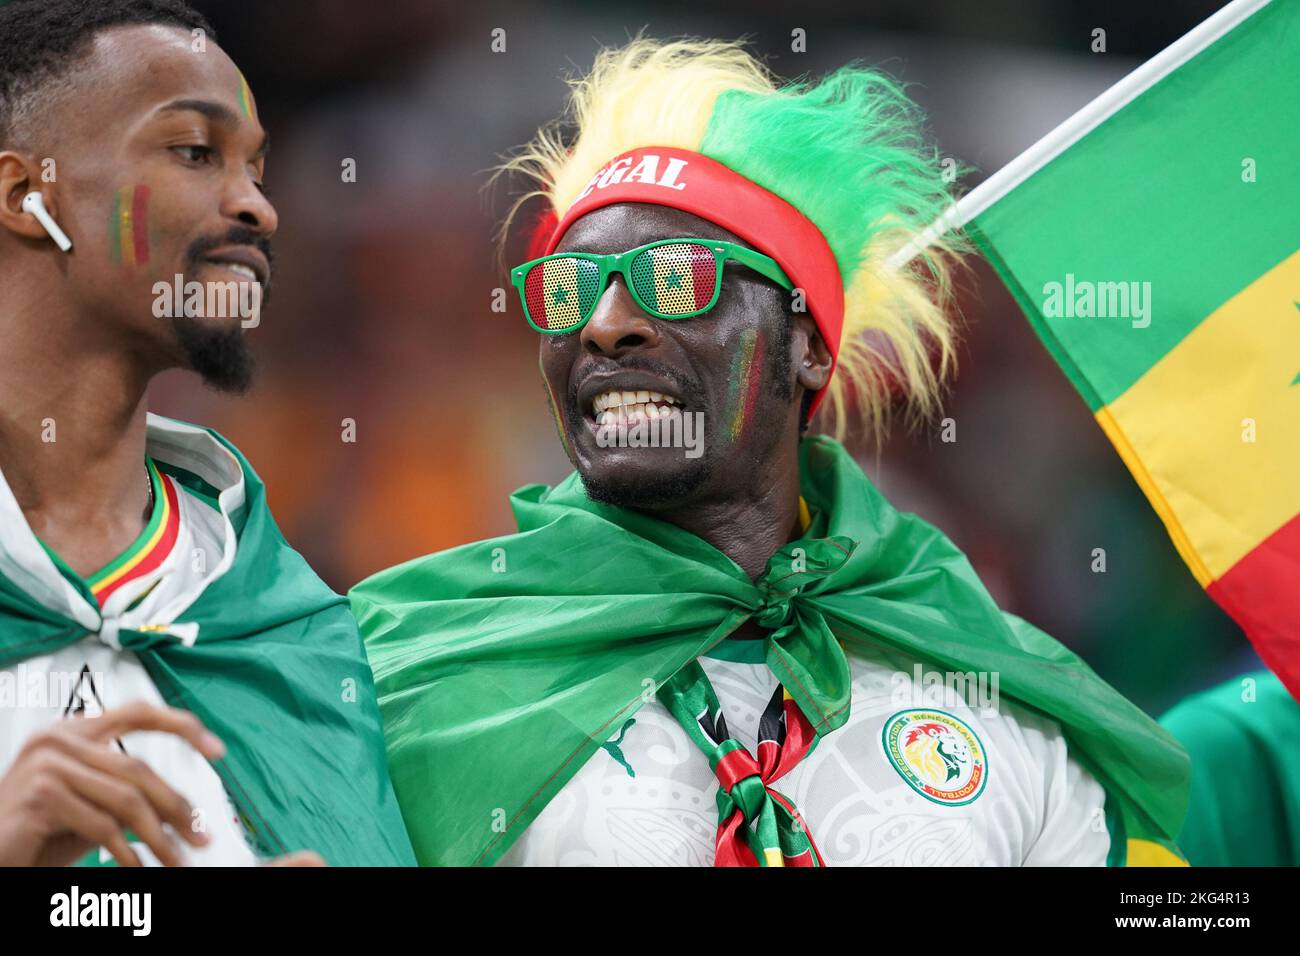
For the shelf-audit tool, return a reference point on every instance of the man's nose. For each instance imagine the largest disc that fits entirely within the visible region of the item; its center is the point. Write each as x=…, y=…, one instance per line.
x=618, y=325
x=248, y=205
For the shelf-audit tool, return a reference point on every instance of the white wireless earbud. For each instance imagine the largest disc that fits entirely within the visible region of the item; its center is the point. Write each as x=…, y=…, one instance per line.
x=34, y=203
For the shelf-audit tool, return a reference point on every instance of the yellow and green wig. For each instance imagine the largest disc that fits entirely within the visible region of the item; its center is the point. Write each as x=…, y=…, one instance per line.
x=828, y=178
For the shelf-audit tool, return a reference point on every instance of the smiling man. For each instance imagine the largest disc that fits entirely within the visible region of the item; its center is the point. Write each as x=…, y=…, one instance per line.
x=731, y=658
x=143, y=584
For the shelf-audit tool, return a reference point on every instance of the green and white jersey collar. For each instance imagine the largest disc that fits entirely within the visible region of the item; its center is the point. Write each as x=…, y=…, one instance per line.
x=175, y=446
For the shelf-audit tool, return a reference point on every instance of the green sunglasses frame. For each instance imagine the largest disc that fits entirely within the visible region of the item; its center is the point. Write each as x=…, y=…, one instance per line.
x=621, y=262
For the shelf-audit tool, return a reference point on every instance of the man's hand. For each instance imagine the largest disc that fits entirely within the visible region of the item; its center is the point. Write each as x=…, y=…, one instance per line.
x=68, y=791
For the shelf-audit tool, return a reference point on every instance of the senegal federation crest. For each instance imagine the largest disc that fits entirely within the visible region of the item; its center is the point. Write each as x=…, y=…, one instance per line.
x=939, y=756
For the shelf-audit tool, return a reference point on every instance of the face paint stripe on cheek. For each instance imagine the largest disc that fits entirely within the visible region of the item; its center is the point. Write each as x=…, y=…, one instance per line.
x=746, y=373
x=115, y=227
x=555, y=412
x=129, y=226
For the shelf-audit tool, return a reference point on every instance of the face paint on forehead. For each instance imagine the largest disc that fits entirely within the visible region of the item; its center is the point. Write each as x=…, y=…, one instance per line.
x=746, y=378
x=128, y=226
x=245, y=95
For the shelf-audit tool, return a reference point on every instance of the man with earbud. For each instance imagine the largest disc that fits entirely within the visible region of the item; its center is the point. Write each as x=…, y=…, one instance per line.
x=176, y=685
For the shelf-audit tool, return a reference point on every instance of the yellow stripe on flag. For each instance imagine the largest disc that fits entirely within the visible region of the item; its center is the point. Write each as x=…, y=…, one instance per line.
x=674, y=280
x=1185, y=428
x=1149, y=853
x=560, y=286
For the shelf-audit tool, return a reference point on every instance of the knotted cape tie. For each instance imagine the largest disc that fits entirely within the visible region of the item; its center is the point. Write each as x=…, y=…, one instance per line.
x=757, y=826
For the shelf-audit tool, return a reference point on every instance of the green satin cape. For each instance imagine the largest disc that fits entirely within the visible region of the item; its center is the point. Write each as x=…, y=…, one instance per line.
x=503, y=665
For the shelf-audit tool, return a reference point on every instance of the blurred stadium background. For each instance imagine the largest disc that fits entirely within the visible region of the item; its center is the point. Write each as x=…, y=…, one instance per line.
x=382, y=310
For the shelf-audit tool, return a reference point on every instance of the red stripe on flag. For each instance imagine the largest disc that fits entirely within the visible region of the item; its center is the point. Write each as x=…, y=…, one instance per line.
x=140, y=224
x=1262, y=593
x=755, y=379
x=535, y=294
x=704, y=275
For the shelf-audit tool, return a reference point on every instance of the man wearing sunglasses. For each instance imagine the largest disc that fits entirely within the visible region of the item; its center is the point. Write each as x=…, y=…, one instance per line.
x=668, y=279
x=724, y=659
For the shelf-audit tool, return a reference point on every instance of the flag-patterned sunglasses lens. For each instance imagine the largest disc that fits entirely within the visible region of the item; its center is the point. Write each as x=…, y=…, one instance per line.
x=677, y=278
x=560, y=293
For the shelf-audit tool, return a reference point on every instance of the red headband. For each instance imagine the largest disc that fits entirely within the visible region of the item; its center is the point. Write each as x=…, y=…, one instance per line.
x=704, y=187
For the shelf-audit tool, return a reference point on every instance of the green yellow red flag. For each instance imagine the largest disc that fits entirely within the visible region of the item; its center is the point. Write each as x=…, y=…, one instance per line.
x=1152, y=241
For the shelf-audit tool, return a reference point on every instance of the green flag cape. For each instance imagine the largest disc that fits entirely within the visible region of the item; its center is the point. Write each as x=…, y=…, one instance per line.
x=504, y=664
x=269, y=673
x=1243, y=809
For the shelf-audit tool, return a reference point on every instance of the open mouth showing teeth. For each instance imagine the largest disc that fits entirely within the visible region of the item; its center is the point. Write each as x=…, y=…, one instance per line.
x=238, y=268
x=630, y=407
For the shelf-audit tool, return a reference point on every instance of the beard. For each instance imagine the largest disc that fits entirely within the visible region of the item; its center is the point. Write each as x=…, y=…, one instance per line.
x=651, y=494
x=637, y=490
x=218, y=354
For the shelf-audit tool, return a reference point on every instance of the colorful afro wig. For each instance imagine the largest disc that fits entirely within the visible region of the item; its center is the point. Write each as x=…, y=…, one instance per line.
x=846, y=152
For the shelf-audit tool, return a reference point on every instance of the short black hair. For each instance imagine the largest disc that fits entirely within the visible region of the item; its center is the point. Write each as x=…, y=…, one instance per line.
x=41, y=40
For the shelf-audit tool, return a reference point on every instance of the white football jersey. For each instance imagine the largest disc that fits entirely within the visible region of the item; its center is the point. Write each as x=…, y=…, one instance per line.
x=94, y=674
x=917, y=776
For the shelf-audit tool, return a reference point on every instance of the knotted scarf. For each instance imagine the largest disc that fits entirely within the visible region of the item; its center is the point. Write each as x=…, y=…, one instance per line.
x=757, y=825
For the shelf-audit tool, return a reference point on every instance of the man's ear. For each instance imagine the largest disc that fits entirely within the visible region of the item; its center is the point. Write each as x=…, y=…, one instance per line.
x=812, y=357
x=18, y=177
